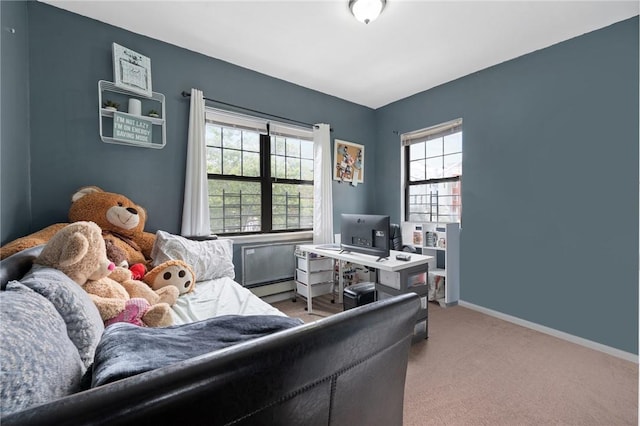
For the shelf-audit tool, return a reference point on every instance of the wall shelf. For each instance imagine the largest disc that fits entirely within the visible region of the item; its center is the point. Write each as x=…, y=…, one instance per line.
x=107, y=89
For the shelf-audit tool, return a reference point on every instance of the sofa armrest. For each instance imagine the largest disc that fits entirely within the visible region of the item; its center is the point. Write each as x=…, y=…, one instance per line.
x=349, y=368
x=15, y=266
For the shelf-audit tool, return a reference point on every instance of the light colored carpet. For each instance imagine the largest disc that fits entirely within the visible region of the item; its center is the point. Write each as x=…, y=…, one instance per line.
x=478, y=370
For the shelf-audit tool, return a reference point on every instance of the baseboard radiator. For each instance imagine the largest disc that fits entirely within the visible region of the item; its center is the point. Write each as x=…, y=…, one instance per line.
x=269, y=268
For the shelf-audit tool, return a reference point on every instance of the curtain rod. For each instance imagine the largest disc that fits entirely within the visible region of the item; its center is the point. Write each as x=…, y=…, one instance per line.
x=188, y=95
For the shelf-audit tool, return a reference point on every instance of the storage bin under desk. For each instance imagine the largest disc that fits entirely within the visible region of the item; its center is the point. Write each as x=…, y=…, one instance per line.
x=315, y=264
x=318, y=289
x=313, y=277
x=405, y=279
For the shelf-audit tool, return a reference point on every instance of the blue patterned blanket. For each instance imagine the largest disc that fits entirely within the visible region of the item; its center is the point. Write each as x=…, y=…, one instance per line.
x=126, y=350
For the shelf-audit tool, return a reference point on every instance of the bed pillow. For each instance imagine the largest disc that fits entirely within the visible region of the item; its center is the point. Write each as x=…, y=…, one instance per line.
x=73, y=303
x=210, y=259
x=39, y=363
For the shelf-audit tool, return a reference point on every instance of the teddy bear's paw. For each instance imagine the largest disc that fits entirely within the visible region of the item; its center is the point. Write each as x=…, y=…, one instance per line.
x=168, y=295
x=120, y=274
x=158, y=316
x=175, y=274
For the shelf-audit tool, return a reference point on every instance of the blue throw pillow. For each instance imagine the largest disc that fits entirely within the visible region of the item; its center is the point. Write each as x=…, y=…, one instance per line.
x=39, y=362
x=73, y=303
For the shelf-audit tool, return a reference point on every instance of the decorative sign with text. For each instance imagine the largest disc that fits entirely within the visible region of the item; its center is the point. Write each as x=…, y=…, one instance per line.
x=131, y=129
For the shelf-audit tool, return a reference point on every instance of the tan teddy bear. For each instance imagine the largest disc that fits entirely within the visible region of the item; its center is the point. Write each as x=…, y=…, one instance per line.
x=79, y=251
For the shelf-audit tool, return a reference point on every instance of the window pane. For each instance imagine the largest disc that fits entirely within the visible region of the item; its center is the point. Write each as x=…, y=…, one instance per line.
x=434, y=168
x=453, y=143
x=306, y=172
x=293, y=168
x=250, y=141
x=234, y=206
x=279, y=145
x=231, y=162
x=434, y=147
x=293, y=147
x=452, y=165
x=417, y=170
x=214, y=160
x=306, y=149
x=280, y=170
x=213, y=135
x=232, y=138
x=292, y=206
x=436, y=202
x=250, y=164
x=417, y=150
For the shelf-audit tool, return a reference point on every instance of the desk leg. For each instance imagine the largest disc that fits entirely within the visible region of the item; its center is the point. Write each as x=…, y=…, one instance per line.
x=340, y=281
x=309, y=302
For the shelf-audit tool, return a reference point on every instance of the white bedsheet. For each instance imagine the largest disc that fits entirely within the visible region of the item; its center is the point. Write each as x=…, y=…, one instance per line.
x=222, y=296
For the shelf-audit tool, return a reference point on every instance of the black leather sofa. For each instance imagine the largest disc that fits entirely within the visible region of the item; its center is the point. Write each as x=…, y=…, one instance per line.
x=347, y=369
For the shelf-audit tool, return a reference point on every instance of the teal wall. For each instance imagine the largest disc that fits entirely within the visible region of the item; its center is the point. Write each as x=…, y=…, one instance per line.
x=68, y=54
x=15, y=207
x=550, y=182
x=550, y=195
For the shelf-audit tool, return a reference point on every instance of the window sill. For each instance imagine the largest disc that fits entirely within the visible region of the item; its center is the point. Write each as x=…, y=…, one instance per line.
x=261, y=238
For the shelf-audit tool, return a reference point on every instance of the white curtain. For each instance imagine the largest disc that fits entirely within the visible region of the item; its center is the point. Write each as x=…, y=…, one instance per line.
x=195, y=212
x=322, y=183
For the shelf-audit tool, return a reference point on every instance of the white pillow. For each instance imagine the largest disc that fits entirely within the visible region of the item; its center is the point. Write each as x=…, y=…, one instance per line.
x=210, y=259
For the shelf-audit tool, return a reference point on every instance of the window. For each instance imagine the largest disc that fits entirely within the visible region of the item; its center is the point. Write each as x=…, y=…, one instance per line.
x=432, y=175
x=260, y=175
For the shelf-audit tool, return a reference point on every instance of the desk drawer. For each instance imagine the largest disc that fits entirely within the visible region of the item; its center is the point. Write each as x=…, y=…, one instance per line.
x=316, y=289
x=313, y=277
x=315, y=264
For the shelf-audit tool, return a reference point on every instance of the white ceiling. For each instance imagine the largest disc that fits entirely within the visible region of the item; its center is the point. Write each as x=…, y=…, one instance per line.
x=413, y=46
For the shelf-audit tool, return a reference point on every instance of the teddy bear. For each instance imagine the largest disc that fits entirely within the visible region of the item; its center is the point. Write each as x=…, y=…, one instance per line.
x=79, y=251
x=176, y=273
x=120, y=218
x=153, y=305
x=122, y=222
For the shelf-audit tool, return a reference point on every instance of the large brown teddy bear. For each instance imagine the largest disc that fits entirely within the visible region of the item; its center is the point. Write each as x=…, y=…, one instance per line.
x=122, y=222
x=79, y=251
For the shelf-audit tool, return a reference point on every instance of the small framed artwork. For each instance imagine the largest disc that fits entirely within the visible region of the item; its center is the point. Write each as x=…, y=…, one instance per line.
x=348, y=159
x=131, y=71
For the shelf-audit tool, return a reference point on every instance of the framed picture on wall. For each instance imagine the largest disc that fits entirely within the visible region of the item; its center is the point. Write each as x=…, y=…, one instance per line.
x=348, y=159
x=131, y=71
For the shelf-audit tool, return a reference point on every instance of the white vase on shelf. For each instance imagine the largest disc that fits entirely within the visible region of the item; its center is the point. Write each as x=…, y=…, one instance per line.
x=135, y=106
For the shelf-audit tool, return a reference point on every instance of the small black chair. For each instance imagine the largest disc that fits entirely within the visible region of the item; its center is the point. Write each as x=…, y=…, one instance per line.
x=395, y=237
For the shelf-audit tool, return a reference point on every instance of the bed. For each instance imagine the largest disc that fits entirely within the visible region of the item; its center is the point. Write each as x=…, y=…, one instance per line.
x=292, y=373
x=216, y=293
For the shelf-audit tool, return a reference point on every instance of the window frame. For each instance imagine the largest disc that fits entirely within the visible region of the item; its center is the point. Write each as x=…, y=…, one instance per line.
x=267, y=131
x=418, y=136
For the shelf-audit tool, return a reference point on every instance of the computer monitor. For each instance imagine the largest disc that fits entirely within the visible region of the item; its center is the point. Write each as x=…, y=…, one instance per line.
x=365, y=233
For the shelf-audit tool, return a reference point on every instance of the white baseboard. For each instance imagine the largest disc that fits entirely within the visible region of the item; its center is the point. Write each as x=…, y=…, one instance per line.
x=273, y=298
x=553, y=332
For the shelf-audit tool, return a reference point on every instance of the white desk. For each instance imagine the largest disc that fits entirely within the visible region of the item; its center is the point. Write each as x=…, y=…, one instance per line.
x=390, y=264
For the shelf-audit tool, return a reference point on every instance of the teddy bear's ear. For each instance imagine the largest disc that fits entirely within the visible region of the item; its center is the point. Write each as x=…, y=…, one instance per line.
x=74, y=250
x=84, y=191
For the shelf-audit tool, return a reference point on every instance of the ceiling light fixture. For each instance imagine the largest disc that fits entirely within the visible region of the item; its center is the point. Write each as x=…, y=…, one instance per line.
x=366, y=10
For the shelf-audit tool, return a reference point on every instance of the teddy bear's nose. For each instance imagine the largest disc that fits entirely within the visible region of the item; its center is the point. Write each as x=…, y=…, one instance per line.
x=132, y=210
x=111, y=266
